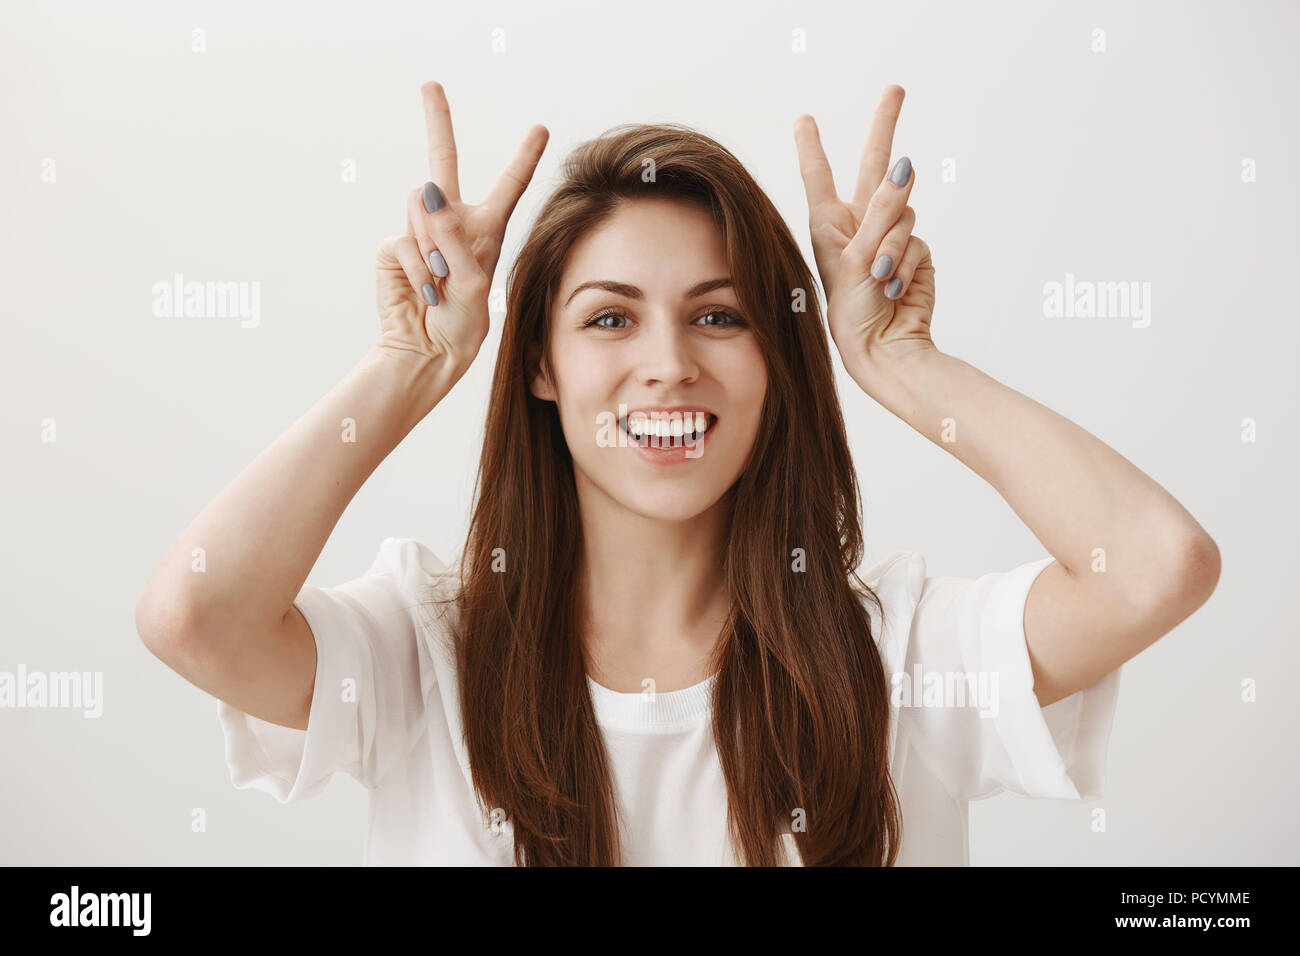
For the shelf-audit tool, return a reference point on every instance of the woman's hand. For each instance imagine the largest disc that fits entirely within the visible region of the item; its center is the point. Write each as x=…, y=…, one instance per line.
x=433, y=282
x=878, y=277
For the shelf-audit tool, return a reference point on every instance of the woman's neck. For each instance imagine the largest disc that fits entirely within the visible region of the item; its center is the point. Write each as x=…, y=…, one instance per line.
x=655, y=599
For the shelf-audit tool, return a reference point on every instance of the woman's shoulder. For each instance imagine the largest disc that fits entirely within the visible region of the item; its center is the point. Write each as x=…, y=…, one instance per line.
x=898, y=568
x=428, y=583
x=897, y=582
x=412, y=562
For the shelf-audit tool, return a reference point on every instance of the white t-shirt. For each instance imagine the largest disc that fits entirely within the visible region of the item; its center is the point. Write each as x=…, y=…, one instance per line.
x=386, y=710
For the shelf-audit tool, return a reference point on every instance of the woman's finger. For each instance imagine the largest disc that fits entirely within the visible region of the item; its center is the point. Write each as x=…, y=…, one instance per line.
x=419, y=228
x=512, y=182
x=442, y=142
x=406, y=253
x=916, y=252
x=818, y=182
x=880, y=143
x=892, y=247
x=441, y=237
x=884, y=209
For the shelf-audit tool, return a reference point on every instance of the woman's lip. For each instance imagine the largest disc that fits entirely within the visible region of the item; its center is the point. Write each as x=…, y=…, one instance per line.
x=673, y=454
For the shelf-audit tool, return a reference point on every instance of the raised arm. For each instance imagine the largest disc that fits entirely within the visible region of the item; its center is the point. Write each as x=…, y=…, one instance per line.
x=1131, y=562
x=218, y=608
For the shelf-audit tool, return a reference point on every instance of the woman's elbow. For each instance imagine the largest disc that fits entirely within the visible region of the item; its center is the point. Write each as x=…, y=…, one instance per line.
x=161, y=622
x=1197, y=567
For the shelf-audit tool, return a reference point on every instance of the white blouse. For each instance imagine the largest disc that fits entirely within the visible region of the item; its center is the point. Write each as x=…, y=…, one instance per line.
x=385, y=709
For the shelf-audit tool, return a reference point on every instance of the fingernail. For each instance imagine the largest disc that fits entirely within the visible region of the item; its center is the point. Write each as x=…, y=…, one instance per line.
x=433, y=200
x=437, y=264
x=898, y=175
x=429, y=293
x=884, y=265
x=895, y=286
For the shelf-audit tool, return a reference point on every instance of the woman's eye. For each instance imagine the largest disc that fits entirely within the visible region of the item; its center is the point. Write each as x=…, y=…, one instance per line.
x=599, y=319
x=719, y=313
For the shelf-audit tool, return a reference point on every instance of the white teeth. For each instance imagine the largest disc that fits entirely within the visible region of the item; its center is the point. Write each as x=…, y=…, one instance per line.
x=667, y=425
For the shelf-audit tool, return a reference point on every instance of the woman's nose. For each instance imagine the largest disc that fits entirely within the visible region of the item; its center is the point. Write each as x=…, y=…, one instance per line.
x=665, y=353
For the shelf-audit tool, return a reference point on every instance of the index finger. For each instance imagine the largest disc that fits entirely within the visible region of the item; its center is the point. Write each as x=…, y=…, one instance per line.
x=880, y=143
x=442, y=143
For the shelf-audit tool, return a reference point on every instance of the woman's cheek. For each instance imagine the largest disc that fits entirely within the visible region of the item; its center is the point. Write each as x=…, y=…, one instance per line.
x=746, y=378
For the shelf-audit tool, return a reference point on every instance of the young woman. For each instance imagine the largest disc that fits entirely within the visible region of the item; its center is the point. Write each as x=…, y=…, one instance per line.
x=656, y=646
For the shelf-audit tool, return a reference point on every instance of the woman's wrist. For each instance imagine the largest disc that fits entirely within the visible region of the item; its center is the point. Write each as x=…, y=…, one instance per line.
x=423, y=379
x=890, y=379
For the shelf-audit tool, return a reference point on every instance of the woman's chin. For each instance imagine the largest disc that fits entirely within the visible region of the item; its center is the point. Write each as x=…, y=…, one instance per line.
x=669, y=504
x=660, y=494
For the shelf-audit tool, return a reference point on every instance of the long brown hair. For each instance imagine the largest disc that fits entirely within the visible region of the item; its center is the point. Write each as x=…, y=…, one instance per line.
x=801, y=700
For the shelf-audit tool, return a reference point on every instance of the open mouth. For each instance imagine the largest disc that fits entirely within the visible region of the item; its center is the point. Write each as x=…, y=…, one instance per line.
x=677, y=430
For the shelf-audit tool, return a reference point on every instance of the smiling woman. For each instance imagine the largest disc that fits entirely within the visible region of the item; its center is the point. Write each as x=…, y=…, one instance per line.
x=669, y=295
x=633, y=663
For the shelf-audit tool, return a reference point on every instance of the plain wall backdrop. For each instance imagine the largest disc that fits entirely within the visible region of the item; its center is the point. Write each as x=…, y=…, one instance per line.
x=1161, y=150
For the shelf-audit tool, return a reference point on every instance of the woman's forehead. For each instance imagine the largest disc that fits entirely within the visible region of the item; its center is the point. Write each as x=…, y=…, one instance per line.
x=658, y=247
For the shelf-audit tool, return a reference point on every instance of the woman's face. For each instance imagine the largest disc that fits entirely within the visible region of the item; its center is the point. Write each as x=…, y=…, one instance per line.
x=644, y=340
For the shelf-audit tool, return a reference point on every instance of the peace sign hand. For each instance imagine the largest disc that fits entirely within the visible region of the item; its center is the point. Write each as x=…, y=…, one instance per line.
x=878, y=277
x=433, y=282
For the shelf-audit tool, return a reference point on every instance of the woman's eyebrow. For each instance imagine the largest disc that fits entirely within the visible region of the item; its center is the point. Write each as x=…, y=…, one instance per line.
x=632, y=292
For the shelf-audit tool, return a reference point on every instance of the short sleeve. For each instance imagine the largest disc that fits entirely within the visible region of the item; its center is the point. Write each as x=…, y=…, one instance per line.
x=367, y=706
x=985, y=732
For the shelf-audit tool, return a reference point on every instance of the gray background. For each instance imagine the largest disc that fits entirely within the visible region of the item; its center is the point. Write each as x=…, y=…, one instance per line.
x=225, y=165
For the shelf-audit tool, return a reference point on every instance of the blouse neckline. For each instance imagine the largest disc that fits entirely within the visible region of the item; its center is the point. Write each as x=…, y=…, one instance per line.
x=646, y=709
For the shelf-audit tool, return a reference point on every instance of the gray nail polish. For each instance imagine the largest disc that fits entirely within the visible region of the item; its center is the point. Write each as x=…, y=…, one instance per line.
x=437, y=264
x=433, y=200
x=894, y=288
x=900, y=173
x=883, y=267
x=429, y=293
